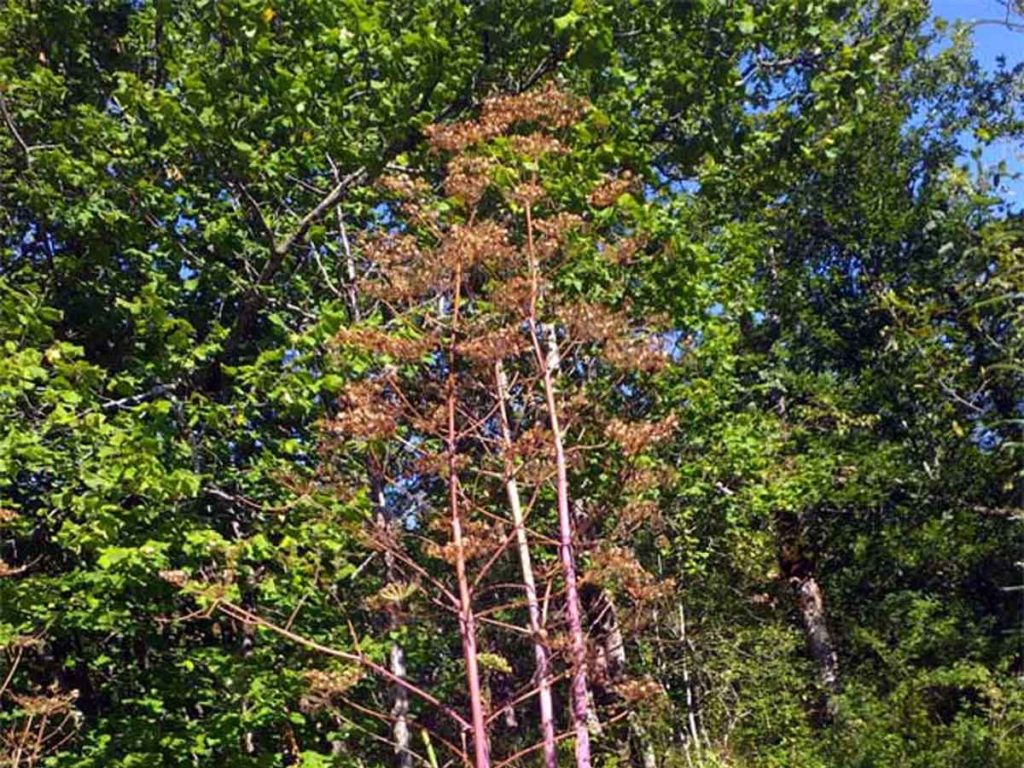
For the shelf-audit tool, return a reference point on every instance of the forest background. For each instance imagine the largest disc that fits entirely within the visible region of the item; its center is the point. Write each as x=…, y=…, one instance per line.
x=604, y=382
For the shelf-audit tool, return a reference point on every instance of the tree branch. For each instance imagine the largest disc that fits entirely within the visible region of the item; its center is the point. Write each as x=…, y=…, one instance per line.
x=282, y=247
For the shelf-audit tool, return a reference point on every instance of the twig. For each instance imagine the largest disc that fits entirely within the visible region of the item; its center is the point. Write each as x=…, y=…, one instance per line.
x=328, y=201
x=14, y=130
x=241, y=614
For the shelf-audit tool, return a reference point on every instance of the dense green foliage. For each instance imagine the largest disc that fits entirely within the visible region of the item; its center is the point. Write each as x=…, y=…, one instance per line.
x=183, y=184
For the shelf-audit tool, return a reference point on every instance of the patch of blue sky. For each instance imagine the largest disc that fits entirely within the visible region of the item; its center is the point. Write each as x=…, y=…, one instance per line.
x=184, y=224
x=995, y=45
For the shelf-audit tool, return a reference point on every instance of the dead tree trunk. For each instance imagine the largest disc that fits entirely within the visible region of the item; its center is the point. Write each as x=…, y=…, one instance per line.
x=811, y=603
x=797, y=567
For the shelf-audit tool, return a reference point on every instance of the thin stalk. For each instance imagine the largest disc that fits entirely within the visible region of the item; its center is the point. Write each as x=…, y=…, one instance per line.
x=467, y=621
x=540, y=651
x=691, y=717
x=572, y=600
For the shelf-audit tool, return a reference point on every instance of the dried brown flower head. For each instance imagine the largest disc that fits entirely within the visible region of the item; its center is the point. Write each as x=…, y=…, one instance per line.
x=622, y=252
x=634, y=514
x=489, y=347
x=176, y=578
x=616, y=568
x=324, y=685
x=534, y=146
x=528, y=193
x=486, y=242
x=611, y=189
x=45, y=706
x=514, y=296
x=404, y=186
x=382, y=343
x=636, y=352
x=646, y=691
x=390, y=249
x=454, y=137
x=634, y=436
x=555, y=232
x=366, y=412
x=548, y=106
x=587, y=322
x=468, y=178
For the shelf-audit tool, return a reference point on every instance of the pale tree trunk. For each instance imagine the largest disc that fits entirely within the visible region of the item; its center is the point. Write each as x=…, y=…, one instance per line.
x=608, y=631
x=574, y=618
x=798, y=567
x=691, y=704
x=811, y=603
x=401, y=734
x=540, y=651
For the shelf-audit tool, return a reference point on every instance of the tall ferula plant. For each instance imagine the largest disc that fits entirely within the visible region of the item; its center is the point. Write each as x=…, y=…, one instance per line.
x=502, y=364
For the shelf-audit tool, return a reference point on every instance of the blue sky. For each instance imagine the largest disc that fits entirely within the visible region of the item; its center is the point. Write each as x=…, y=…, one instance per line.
x=990, y=42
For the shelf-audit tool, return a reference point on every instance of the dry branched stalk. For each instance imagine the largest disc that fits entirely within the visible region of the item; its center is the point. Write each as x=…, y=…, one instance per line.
x=467, y=402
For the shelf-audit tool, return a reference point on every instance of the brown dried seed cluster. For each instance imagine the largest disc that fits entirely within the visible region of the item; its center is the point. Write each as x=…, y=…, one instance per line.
x=616, y=567
x=402, y=270
x=324, y=685
x=528, y=193
x=514, y=296
x=404, y=187
x=390, y=249
x=7, y=516
x=622, y=252
x=611, y=189
x=643, y=479
x=645, y=690
x=536, y=145
x=45, y=706
x=175, y=578
x=23, y=641
x=555, y=231
x=634, y=514
x=454, y=137
x=535, y=441
x=383, y=343
x=468, y=178
x=636, y=353
x=488, y=347
x=547, y=106
x=484, y=243
x=432, y=422
x=439, y=464
x=634, y=436
x=479, y=540
x=589, y=322
x=366, y=412
x=557, y=227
